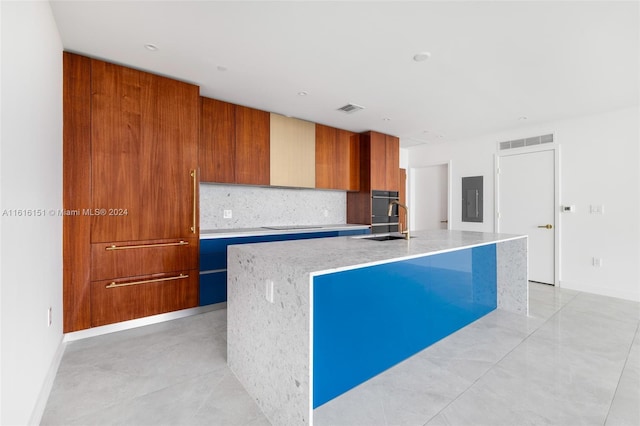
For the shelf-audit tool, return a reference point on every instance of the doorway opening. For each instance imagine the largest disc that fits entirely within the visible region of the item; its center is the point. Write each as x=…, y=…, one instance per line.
x=430, y=189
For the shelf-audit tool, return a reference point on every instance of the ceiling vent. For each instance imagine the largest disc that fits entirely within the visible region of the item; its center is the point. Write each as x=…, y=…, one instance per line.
x=350, y=108
x=521, y=143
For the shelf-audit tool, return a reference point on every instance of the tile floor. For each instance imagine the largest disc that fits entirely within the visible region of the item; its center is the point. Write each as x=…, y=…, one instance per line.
x=575, y=360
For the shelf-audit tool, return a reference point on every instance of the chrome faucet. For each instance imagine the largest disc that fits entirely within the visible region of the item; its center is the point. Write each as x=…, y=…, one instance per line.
x=406, y=216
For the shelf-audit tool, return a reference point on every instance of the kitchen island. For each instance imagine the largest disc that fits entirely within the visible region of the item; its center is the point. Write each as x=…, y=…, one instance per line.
x=309, y=320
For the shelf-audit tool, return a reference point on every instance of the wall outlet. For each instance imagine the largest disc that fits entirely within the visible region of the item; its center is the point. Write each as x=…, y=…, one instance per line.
x=597, y=262
x=227, y=214
x=268, y=290
x=596, y=209
x=325, y=212
x=49, y=316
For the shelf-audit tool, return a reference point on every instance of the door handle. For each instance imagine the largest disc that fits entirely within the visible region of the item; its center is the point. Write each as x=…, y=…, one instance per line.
x=547, y=226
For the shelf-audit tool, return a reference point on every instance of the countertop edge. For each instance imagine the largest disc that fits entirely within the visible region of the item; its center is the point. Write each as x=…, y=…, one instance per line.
x=252, y=232
x=412, y=256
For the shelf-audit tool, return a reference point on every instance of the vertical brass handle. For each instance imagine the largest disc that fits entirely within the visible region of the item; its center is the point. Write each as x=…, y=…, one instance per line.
x=194, y=180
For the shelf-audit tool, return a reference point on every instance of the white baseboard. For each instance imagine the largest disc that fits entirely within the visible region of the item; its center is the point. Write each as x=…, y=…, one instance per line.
x=45, y=391
x=600, y=290
x=140, y=322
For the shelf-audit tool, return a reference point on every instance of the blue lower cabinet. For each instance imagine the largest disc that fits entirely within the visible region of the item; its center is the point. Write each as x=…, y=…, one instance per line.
x=213, y=259
x=366, y=320
x=213, y=287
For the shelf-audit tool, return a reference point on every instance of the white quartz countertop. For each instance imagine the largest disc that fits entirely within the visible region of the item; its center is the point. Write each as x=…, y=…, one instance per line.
x=276, y=230
x=342, y=253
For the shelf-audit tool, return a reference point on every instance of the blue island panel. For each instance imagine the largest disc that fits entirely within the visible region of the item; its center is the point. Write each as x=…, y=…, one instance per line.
x=367, y=320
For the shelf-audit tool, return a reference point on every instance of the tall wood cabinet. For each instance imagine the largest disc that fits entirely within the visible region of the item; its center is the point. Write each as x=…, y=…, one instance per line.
x=379, y=170
x=132, y=138
x=234, y=143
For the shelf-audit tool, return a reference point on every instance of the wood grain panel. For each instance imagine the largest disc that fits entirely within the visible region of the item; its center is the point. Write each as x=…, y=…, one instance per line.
x=169, y=154
x=378, y=164
x=217, y=149
x=392, y=159
x=145, y=260
x=144, y=140
x=252, y=146
x=337, y=159
x=292, y=152
x=76, y=194
x=125, y=303
x=354, y=166
x=325, y=147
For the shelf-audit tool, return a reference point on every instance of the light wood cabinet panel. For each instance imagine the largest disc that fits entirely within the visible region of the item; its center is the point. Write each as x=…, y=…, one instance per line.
x=217, y=147
x=252, y=146
x=292, y=152
x=144, y=147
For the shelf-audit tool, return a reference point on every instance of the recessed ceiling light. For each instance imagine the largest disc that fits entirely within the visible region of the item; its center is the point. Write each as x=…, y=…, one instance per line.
x=386, y=119
x=221, y=68
x=303, y=93
x=422, y=56
x=151, y=47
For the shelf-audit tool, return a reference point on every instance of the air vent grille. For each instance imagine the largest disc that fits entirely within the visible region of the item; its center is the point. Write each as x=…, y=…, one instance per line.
x=521, y=143
x=350, y=108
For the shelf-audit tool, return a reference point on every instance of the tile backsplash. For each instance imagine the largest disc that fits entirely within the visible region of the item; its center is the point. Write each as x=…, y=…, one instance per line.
x=255, y=206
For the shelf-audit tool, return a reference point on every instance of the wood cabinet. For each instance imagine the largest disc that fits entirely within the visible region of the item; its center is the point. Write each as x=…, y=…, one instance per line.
x=234, y=143
x=385, y=159
x=252, y=146
x=337, y=159
x=134, y=140
x=293, y=155
x=217, y=148
x=379, y=170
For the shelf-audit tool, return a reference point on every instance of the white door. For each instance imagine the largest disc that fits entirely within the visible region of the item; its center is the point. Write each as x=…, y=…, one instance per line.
x=526, y=205
x=429, y=195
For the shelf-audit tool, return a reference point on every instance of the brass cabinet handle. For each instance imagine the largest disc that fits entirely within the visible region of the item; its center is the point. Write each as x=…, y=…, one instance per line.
x=157, y=280
x=194, y=180
x=179, y=243
x=547, y=226
x=444, y=221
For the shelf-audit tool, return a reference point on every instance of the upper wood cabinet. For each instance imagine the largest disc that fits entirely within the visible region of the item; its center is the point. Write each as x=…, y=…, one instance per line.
x=217, y=153
x=234, y=143
x=337, y=155
x=292, y=152
x=252, y=146
x=384, y=160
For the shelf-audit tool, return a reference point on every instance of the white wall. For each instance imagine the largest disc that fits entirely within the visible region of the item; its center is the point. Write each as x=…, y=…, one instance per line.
x=31, y=178
x=599, y=165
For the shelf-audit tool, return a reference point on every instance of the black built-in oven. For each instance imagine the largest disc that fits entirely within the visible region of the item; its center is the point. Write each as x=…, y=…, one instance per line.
x=381, y=222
